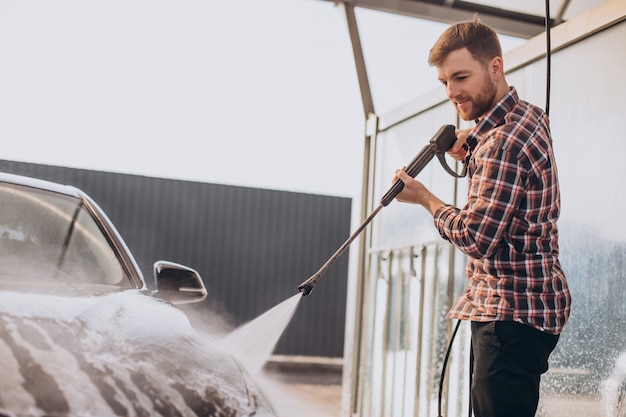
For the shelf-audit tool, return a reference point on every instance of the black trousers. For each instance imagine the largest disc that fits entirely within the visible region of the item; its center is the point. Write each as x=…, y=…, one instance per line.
x=509, y=358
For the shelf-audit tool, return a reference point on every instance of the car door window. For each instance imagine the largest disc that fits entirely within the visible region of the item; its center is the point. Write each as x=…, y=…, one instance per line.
x=48, y=238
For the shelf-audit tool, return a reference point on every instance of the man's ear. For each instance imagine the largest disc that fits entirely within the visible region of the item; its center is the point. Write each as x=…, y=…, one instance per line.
x=496, y=68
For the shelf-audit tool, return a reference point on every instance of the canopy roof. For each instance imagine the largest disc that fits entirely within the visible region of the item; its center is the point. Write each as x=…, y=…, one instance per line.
x=523, y=19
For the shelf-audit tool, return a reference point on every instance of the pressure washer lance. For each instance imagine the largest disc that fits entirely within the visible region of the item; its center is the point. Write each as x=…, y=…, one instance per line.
x=438, y=146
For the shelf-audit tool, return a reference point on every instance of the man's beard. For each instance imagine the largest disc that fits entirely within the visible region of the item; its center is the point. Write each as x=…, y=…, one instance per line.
x=480, y=104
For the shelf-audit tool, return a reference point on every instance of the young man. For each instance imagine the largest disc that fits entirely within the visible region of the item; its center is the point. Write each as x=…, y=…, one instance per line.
x=517, y=298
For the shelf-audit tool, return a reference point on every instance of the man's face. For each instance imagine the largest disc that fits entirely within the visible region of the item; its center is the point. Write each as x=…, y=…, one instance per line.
x=468, y=84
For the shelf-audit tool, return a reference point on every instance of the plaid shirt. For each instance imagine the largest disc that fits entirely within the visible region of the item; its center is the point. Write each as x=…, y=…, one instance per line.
x=508, y=226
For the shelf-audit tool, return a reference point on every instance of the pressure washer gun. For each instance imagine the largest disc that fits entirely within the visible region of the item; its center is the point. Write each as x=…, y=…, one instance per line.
x=438, y=146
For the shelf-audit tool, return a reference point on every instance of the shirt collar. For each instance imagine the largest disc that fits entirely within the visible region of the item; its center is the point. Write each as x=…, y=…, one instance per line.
x=494, y=117
x=491, y=120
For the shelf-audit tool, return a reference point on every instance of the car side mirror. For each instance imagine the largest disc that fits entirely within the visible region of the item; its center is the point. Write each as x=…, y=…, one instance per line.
x=177, y=283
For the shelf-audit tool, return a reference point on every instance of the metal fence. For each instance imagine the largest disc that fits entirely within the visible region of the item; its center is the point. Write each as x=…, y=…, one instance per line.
x=407, y=294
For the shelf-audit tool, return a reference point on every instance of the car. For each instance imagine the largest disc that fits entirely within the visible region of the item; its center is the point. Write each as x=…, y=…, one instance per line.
x=80, y=332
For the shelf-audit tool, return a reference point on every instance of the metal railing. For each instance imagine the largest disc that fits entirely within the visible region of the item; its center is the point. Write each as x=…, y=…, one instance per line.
x=405, y=334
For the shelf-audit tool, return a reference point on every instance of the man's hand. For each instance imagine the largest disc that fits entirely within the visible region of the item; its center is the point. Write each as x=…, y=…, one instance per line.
x=459, y=149
x=415, y=192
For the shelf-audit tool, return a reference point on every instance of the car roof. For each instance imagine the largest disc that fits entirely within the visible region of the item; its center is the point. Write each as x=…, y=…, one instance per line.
x=41, y=184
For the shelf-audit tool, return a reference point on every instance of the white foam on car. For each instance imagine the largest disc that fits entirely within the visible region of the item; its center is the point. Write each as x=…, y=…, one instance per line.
x=109, y=355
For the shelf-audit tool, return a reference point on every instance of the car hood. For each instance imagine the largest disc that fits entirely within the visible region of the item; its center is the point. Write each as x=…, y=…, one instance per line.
x=121, y=354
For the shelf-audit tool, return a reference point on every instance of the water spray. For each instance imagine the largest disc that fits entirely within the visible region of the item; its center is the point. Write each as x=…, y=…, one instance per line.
x=440, y=143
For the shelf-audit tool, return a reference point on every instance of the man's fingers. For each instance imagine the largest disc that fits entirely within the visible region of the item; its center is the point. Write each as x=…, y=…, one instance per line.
x=402, y=175
x=459, y=149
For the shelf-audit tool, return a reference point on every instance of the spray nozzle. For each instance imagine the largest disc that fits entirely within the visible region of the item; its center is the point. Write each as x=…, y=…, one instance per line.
x=305, y=288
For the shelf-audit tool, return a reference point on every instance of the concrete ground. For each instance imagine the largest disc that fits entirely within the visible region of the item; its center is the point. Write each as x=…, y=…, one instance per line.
x=304, y=400
x=306, y=389
x=299, y=389
x=324, y=400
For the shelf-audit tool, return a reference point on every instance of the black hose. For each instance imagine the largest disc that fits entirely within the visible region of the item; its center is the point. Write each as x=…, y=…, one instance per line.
x=548, y=56
x=471, y=377
x=443, y=369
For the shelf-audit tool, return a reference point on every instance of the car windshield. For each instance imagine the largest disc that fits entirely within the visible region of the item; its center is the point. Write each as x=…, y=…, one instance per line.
x=51, y=241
